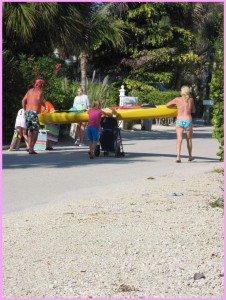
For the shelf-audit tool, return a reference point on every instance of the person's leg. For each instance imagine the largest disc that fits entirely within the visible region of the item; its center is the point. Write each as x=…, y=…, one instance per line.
x=49, y=145
x=90, y=137
x=77, y=134
x=96, y=136
x=90, y=145
x=24, y=132
x=35, y=137
x=30, y=140
x=189, y=133
x=32, y=137
x=90, y=152
x=94, y=144
x=33, y=129
x=82, y=132
x=19, y=136
x=179, y=131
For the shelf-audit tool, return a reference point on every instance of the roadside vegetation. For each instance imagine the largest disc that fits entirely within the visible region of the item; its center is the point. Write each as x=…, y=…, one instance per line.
x=219, y=202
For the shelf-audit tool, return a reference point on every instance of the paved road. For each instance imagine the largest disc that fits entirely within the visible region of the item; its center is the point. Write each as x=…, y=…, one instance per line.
x=68, y=173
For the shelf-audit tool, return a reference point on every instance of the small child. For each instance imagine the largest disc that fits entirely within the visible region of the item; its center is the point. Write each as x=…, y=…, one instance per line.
x=93, y=128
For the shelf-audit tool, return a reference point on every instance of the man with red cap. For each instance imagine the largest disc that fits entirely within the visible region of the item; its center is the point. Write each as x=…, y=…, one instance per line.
x=31, y=103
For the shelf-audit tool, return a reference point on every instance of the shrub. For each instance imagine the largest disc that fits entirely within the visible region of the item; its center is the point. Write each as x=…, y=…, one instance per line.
x=19, y=74
x=12, y=92
x=154, y=97
x=107, y=93
x=218, y=109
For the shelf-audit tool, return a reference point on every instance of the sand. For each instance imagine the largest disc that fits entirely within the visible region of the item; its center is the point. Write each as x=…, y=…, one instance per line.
x=145, y=243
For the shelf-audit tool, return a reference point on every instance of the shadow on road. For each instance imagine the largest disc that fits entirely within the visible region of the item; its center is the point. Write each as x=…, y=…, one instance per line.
x=72, y=159
x=69, y=156
x=170, y=134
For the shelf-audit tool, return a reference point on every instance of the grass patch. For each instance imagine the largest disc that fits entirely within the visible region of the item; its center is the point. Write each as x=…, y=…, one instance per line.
x=217, y=203
x=219, y=171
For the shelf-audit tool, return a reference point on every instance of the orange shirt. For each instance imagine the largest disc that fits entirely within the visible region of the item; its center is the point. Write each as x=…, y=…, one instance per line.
x=47, y=108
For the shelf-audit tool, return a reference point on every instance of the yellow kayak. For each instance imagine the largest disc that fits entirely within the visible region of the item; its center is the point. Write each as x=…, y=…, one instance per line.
x=160, y=111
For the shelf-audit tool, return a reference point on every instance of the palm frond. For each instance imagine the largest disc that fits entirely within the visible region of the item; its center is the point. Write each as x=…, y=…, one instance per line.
x=114, y=9
x=19, y=20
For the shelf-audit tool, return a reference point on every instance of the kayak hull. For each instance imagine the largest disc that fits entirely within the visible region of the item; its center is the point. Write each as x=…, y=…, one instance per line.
x=160, y=111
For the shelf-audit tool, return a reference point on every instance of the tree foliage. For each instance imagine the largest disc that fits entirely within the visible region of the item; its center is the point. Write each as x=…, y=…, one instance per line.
x=39, y=27
x=159, y=45
x=217, y=94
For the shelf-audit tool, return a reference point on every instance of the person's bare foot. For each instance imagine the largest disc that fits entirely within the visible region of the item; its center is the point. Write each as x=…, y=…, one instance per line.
x=32, y=152
x=90, y=154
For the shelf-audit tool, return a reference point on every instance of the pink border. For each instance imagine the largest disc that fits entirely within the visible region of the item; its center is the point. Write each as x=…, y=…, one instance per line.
x=1, y=291
x=220, y=1
x=1, y=150
x=224, y=136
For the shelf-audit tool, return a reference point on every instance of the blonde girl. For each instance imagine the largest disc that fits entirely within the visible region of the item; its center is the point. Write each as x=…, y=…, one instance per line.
x=185, y=107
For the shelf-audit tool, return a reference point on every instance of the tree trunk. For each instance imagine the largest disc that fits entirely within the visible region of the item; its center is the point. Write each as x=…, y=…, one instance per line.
x=83, y=61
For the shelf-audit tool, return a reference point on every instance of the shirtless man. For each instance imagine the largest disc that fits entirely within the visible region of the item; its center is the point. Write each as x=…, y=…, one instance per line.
x=31, y=103
x=185, y=107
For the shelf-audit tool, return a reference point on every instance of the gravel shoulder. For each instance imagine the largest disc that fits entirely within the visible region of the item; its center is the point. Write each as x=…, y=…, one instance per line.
x=142, y=244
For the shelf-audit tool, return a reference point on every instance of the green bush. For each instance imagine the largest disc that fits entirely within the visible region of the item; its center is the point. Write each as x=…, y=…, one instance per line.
x=218, y=123
x=154, y=97
x=58, y=89
x=12, y=93
x=216, y=94
x=107, y=93
x=147, y=93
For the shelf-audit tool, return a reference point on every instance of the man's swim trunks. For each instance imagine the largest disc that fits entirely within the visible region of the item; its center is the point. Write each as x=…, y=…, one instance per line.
x=31, y=118
x=184, y=123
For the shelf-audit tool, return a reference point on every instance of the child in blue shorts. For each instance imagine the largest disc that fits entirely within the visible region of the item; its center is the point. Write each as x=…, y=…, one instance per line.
x=93, y=127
